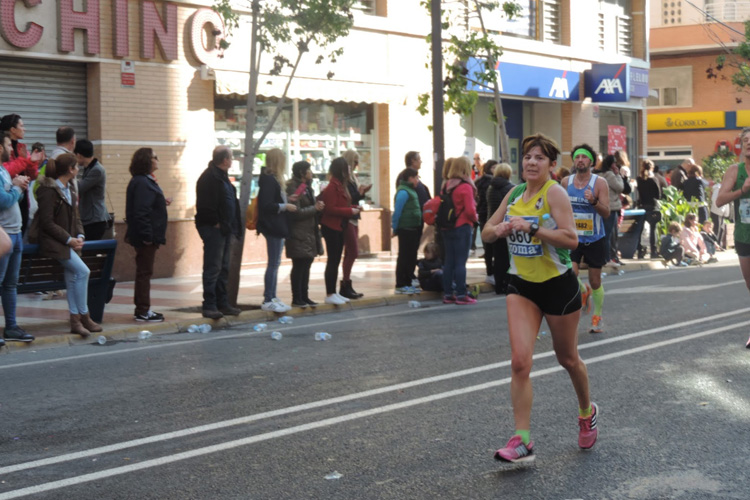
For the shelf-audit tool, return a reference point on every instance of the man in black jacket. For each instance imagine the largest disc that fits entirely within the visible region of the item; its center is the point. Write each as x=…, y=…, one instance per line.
x=217, y=219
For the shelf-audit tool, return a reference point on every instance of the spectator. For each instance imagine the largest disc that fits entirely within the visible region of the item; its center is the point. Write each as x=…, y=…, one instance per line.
x=11, y=190
x=5, y=247
x=304, y=241
x=711, y=242
x=65, y=137
x=483, y=183
x=146, y=217
x=611, y=173
x=61, y=237
x=660, y=180
x=337, y=212
x=671, y=250
x=694, y=189
x=680, y=174
x=692, y=242
x=500, y=186
x=273, y=206
x=649, y=193
x=217, y=219
x=28, y=164
x=406, y=223
x=351, y=231
x=718, y=215
x=457, y=240
x=430, y=269
x=92, y=188
x=414, y=160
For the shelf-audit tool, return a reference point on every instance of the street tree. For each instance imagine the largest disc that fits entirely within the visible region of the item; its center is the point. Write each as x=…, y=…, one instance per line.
x=738, y=60
x=285, y=30
x=463, y=43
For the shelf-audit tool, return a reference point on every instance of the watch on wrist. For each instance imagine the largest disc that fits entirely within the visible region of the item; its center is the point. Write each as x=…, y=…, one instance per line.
x=534, y=228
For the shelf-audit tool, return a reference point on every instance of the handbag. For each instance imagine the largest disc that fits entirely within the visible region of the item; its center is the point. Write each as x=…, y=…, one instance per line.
x=109, y=232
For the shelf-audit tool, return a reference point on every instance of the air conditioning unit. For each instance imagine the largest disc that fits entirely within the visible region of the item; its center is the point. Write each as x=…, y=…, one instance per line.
x=207, y=73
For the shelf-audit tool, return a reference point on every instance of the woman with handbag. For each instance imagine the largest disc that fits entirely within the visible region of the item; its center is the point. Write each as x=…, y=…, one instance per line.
x=146, y=217
x=649, y=193
x=60, y=236
x=303, y=243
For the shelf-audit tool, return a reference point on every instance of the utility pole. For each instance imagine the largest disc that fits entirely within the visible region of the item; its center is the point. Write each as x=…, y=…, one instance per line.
x=438, y=134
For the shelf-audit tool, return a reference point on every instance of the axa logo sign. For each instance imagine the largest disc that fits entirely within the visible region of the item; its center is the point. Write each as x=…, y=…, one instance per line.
x=609, y=86
x=608, y=83
x=559, y=89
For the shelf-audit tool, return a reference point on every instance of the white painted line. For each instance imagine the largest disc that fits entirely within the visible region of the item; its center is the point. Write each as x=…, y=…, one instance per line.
x=54, y=485
x=331, y=401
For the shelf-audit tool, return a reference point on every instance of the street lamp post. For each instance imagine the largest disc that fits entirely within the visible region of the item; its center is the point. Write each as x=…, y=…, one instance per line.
x=438, y=138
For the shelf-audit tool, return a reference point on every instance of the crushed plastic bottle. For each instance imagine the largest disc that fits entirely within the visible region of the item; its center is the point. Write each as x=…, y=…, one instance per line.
x=260, y=327
x=548, y=222
x=322, y=336
x=604, y=275
x=193, y=329
x=145, y=335
x=620, y=272
x=334, y=475
x=286, y=320
x=276, y=335
x=102, y=340
x=415, y=304
x=204, y=328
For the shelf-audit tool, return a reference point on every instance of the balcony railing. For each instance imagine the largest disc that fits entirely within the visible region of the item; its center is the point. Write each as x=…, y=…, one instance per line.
x=728, y=11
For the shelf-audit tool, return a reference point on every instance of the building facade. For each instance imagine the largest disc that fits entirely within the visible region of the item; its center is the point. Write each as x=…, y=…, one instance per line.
x=689, y=113
x=130, y=74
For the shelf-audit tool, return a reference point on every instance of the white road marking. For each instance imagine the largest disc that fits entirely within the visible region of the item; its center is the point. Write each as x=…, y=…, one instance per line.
x=670, y=289
x=54, y=485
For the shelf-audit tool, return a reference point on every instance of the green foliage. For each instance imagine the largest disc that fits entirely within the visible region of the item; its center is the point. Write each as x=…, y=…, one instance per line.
x=715, y=165
x=673, y=207
x=738, y=59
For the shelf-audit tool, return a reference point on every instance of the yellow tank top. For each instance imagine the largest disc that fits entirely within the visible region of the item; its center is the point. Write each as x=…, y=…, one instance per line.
x=530, y=258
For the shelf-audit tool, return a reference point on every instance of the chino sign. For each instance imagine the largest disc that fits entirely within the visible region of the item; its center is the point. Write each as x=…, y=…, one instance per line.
x=156, y=25
x=686, y=121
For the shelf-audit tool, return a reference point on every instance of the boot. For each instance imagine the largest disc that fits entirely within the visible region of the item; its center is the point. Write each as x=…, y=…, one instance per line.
x=347, y=291
x=77, y=327
x=89, y=323
x=354, y=292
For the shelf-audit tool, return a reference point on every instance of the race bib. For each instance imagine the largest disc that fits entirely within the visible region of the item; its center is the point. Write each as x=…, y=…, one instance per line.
x=522, y=244
x=584, y=224
x=745, y=210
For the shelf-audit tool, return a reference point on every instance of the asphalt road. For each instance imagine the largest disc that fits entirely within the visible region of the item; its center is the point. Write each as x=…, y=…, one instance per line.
x=401, y=403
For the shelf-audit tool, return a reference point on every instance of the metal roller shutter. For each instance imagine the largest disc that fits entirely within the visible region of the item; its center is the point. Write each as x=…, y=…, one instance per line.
x=47, y=95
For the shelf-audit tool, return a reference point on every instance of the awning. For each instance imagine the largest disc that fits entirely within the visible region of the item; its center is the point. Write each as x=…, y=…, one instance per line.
x=237, y=82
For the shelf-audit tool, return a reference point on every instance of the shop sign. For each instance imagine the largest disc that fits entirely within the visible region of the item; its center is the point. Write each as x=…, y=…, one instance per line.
x=608, y=83
x=157, y=27
x=686, y=121
x=638, y=82
x=743, y=118
x=617, y=139
x=528, y=81
x=127, y=74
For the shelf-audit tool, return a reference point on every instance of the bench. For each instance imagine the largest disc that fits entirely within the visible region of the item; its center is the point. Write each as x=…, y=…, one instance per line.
x=629, y=232
x=42, y=274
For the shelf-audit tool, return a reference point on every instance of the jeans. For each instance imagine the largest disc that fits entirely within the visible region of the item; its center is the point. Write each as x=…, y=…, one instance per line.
x=144, y=269
x=408, y=247
x=457, y=243
x=334, y=248
x=610, y=227
x=274, y=246
x=215, y=266
x=10, y=265
x=502, y=263
x=489, y=253
x=77, y=283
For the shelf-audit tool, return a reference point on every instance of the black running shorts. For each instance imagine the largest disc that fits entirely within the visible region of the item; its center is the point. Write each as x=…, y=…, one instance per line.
x=743, y=249
x=594, y=254
x=557, y=296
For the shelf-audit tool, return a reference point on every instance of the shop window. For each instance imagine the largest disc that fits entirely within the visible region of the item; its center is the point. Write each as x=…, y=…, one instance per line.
x=538, y=20
x=616, y=26
x=371, y=7
x=727, y=11
x=669, y=158
x=618, y=130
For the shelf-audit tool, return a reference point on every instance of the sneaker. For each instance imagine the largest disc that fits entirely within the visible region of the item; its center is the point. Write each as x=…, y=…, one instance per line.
x=465, y=300
x=586, y=299
x=405, y=290
x=516, y=451
x=150, y=317
x=300, y=303
x=230, y=311
x=596, y=324
x=683, y=264
x=212, y=314
x=490, y=279
x=341, y=297
x=415, y=283
x=311, y=303
x=712, y=260
x=449, y=299
x=613, y=263
x=587, y=429
x=275, y=306
x=335, y=300
x=17, y=334
x=747, y=344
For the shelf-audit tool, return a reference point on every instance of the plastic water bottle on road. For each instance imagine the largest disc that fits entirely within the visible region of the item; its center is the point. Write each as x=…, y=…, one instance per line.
x=322, y=336
x=260, y=327
x=193, y=329
x=276, y=335
x=286, y=320
x=145, y=335
x=102, y=340
x=415, y=304
x=204, y=328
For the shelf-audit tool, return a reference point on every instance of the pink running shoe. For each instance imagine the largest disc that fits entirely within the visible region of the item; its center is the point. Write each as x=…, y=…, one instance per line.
x=747, y=345
x=588, y=431
x=516, y=451
x=465, y=300
x=449, y=299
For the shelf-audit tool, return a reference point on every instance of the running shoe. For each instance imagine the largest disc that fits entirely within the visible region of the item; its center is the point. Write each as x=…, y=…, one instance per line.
x=747, y=345
x=516, y=451
x=465, y=300
x=588, y=432
x=596, y=324
x=586, y=299
x=449, y=299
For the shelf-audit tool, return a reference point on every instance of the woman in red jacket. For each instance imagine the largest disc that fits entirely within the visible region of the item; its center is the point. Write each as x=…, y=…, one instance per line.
x=21, y=162
x=457, y=240
x=336, y=214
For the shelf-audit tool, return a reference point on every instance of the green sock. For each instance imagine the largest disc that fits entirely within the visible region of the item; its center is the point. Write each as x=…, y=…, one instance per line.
x=525, y=436
x=581, y=285
x=598, y=294
x=584, y=413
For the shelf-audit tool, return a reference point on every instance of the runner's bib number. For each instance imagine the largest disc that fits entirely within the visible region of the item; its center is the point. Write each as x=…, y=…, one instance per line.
x=584, y=224
x=522, y=244
x=745, y=210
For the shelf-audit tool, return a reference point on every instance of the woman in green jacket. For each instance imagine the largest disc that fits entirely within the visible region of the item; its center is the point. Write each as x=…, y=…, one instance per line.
x=406, y=223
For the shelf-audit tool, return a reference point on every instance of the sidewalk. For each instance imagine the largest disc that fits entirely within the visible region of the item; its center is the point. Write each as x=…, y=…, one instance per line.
x=179, y=299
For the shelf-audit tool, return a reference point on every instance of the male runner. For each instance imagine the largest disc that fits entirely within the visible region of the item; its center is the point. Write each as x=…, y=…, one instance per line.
x=589, y=196
x=736, y=187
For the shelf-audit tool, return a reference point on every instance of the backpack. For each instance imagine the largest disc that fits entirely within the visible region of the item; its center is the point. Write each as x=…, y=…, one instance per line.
x=430, y=210
x=251, y=216
x=446, y=215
